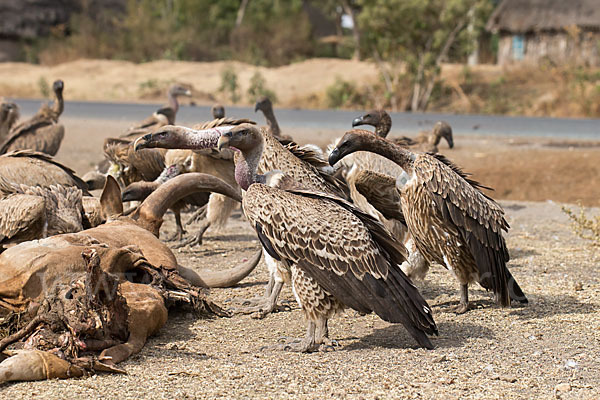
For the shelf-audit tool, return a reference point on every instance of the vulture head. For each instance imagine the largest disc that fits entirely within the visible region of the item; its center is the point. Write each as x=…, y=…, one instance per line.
x=217, y=111
x=243, y=137
x=379, y=119
x=353, y=141
x=179, y=90
x=443, y=130
x=180, y=137
x=263, y=104
x=58, y=86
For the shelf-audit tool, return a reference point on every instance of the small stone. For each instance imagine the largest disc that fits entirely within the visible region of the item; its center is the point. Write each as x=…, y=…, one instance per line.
x=563, y=387
x=578, y=286
x=508, y=378
x=440, y=359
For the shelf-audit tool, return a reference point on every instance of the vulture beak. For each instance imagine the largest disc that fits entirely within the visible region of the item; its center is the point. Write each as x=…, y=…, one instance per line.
x=256, y=107
x=450, y=141
x=357, y=121
x=224, y=141
x=142, y=142
x=334, y=156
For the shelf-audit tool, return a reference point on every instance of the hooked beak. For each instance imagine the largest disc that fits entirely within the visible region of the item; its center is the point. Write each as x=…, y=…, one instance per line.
x=224, y=141
x=256, y=107
x=142, y=142
x=450, y=142
x=334, y=157
x=357, y=121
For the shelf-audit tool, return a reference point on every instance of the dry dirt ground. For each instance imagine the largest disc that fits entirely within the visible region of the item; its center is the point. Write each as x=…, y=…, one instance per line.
x=547, y=349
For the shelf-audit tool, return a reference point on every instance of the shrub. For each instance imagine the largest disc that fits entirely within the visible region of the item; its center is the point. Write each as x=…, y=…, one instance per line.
x=343, y=94
x=229, y=84
x=584, y=226
x=258, y=88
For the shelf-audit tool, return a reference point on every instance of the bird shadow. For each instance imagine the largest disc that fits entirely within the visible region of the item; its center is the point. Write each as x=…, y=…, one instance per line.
x=452, y=334
x=541, y=306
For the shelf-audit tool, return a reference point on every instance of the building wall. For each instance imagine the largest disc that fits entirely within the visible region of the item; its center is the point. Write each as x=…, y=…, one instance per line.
x=559, y=48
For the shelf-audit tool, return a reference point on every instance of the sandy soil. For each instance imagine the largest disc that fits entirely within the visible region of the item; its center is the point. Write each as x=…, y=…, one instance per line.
x=549, y=348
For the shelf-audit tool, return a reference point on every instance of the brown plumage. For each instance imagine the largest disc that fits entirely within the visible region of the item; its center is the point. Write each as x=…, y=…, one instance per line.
x=165, y=115
x=451, y=221
x=128, y=166
x=9, y=115
x=42, y=132
x=337, y=255
x=31, y=168
x=34, y=212
x=426, y=141
x=303, y=165
x=265, y=105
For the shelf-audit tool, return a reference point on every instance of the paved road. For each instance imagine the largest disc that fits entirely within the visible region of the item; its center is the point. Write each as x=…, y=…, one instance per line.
x=340, y=120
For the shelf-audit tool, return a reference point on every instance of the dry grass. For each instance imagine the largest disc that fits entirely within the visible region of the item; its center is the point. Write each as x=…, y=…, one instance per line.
x=488, y=89
x=585, y=226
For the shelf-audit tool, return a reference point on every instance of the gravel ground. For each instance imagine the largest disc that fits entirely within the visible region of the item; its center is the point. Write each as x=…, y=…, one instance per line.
x=547, y=349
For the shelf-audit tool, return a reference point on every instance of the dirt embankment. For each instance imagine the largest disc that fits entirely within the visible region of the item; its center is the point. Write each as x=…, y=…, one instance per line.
x=481, y=89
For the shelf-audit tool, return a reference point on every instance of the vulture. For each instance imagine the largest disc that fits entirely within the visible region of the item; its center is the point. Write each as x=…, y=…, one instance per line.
x=30, y=168
x=217, y=111
x=302, y=164
x=35, y=212
x=9, y=114
x=336, y=255
x=426, y=141
x=163, y=116
x=128, y=166
x=265, y=105
x=42, y=132
x=139, y=191
x=450, y=220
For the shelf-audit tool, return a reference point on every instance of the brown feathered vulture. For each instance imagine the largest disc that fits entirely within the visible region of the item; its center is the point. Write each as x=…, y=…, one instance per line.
x=451, y=221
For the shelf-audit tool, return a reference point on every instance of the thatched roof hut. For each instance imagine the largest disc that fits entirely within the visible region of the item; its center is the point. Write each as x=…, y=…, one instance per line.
x=522, y=16
x=560, y=31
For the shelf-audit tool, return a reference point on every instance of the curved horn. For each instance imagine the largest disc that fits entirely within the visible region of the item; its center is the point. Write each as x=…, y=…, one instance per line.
x=220, y=279
x=151, y=211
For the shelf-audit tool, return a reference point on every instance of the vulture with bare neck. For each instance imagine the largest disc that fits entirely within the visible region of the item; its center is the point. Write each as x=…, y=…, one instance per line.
x=337, y=256
x=165, y=115
x=426, y=141
x=300, y=163
x=42, y=132
x=451, y=221
x=9, y=114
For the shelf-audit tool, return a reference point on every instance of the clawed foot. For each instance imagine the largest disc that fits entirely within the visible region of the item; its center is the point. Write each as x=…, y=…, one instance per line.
x=462, y=308
x=195, y=240
x=175, y=236
x=258, y=307
x=302, y=345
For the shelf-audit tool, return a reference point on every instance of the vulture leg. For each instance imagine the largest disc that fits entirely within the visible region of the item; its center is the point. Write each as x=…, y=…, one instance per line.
x=196, y=239
x=178, y=235
x=268, y=303
x=463, y=307
x=301, y=345
x=198, y=215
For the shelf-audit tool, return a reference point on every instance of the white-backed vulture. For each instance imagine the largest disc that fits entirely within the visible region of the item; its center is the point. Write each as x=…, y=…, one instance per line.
x=9, y=115
x=35, y=212
x=426, y=141
x=32, y=168
x=165, y=115
x=451, y=221
x=337, y=255
x=42, y=132
x=303, y=165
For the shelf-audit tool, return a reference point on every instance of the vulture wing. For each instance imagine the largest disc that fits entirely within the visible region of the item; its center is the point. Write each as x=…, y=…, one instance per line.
x=346, y=251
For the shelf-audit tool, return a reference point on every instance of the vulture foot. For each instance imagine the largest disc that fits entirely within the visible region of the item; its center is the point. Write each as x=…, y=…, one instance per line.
x=298, y=345
x=260, y=307
x=195, y=240
x=464, y=305
x=176, y=236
